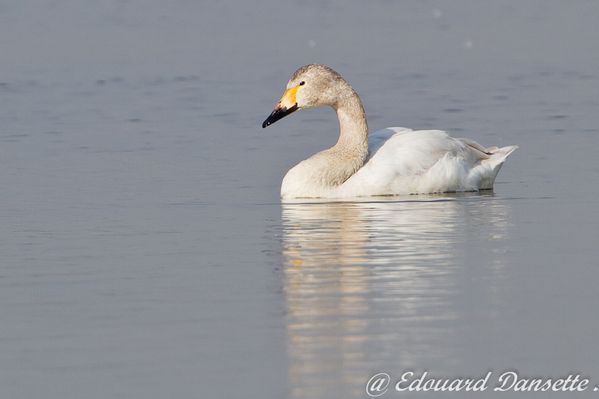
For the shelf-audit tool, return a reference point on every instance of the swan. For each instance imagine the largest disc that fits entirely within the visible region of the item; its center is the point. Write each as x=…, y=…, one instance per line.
x=391, y=161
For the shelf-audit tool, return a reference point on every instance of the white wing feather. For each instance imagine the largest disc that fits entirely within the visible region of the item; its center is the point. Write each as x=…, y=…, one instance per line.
x=403, y=161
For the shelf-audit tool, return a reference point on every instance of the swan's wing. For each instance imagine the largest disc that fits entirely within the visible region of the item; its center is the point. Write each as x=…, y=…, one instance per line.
x=378, y=138
x=474, y=145
x=425, y=161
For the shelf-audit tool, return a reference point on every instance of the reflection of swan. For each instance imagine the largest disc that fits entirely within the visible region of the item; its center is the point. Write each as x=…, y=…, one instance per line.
x=375, y=286
x=392, y=161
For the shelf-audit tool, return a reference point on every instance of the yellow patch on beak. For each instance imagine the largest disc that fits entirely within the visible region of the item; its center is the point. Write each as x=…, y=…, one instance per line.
x=288, y=100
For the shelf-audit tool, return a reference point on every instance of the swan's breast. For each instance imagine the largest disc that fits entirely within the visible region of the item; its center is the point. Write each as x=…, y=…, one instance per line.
x=319, y=175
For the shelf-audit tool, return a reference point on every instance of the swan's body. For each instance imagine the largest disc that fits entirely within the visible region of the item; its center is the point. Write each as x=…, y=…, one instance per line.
x=400, y=161
x=392, y=161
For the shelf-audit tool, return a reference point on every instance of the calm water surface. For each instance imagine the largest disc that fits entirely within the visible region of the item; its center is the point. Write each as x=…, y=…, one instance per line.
x=145, y=251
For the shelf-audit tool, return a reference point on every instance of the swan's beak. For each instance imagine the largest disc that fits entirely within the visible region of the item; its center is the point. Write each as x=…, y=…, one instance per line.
x=286, y=105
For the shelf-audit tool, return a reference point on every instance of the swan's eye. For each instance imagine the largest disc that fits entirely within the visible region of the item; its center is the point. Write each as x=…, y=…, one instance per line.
x=302, y=83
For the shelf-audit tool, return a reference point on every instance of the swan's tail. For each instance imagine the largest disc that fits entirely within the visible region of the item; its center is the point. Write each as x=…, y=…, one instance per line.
x=493, y=164
x=501, y=153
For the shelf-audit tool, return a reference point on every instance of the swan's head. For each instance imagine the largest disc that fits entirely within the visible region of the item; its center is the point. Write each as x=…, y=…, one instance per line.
x=312, y=85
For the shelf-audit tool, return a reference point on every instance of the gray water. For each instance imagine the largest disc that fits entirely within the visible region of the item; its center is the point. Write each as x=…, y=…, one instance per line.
x=145, y=252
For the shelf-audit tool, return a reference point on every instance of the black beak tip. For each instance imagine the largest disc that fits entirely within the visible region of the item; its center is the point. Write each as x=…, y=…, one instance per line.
x=278, y=114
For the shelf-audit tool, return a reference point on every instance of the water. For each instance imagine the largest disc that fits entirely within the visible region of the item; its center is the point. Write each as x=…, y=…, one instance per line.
x=145, y=251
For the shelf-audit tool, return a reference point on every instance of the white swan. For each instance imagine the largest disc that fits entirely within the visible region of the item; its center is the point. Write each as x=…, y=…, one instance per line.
x=392, y=161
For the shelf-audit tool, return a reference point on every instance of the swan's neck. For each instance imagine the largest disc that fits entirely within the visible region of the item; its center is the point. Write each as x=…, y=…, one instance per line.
x=353, y=128
x=326, y=171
